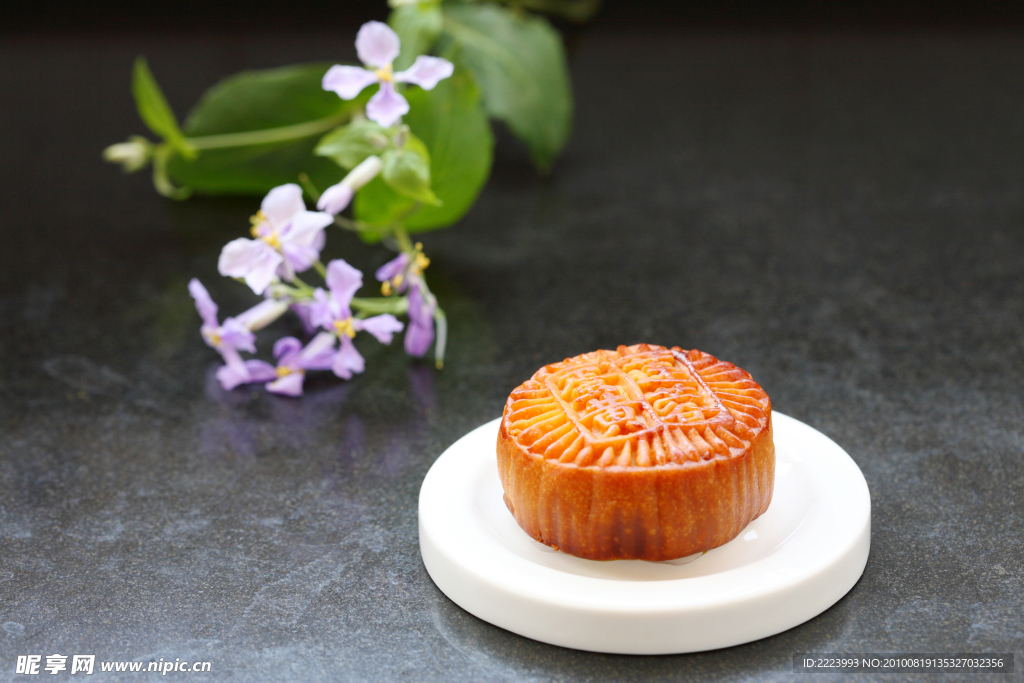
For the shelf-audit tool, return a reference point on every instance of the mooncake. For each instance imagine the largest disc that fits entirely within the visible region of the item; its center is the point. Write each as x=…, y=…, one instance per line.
x=642, y=453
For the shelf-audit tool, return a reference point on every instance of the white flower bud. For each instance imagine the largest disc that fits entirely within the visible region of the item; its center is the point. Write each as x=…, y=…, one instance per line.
x=132, y=155
x=262, y=314
x=335, y=198
x=363, y=173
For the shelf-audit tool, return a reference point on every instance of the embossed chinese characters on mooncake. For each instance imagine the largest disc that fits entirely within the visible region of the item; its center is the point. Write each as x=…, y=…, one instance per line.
x=639, y=453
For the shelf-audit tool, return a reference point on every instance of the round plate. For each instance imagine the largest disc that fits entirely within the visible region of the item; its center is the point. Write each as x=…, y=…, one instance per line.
x=789, y=565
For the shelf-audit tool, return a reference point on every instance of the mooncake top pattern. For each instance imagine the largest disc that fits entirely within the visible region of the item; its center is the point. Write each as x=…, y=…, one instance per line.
x=637, y=406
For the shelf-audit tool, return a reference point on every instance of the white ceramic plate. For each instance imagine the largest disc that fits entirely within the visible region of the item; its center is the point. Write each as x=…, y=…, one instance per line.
x=789, y=565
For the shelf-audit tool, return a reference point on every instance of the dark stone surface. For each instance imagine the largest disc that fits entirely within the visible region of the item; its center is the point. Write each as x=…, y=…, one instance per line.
x=840, y=215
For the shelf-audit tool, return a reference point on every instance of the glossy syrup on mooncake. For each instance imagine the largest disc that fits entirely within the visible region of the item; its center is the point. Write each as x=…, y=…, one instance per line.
x=639, y=453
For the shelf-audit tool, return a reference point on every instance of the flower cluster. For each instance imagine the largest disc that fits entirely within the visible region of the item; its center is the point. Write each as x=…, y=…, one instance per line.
x=287, y=239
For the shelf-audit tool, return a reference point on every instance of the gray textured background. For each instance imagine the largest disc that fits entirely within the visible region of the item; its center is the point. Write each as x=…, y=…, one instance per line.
x=840, y=215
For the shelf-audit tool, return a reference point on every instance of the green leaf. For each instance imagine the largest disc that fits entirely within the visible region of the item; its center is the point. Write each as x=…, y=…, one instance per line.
x=377, y=206
x=268, y=98
x=454, y=127
x=418, y=26
x=520, y=64
x=153, y=107
x=407, y=171
x=573, y=10
x=272, y=120
x=349, y=145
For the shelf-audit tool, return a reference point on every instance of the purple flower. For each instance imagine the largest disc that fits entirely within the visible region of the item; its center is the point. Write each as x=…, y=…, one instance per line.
x=420, y=334
x=292, y=362
x=393, y=274
x=336, y=197
x=234, y=335
x=331, y=311
x=288, y=239
x=397, y=274
x=377, y=46
x=231, y=335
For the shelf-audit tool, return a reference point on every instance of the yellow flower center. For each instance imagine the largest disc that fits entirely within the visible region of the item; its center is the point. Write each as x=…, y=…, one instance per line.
x=345, y=327
x=272, y=240
x=258, y=219
x=212, y=337
x=385, y=73
x=282, y=371
x=419, y=264
x=391, y=285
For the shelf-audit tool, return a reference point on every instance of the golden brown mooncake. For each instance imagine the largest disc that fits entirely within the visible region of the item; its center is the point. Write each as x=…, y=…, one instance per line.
x=640, y=453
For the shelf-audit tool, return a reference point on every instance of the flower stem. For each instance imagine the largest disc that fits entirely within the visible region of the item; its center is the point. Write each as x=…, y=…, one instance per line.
x=305, y=290
x=441, y=324
x=309, y=187
x=319, y=267
x=349, y=224
x=395, y=305
x=402, y=238
x=297, y=131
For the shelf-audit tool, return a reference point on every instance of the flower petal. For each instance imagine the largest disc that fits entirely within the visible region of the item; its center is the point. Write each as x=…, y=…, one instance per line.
x=204, y=304
x=343, y=280
x=386, y=106
x=306, y=226
x=236, y=336
x=381, y=326
x=420, y=333
x=347, y=360
x=392, y=268
x=335, y=198
x=319, y=353
x=418, y=338
x=347, y=81
x=299, y=258
x=320, y=309
x=282, y=203
x=253, y=260
x=234, y=372
x=377, y=45
x=289, y=385
x=240, y=256
x=260, y=371
x=305, y=313
x=421, y=312
x=426, y=72
x=286, y=346
x=285, y=271
x=230, y=377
